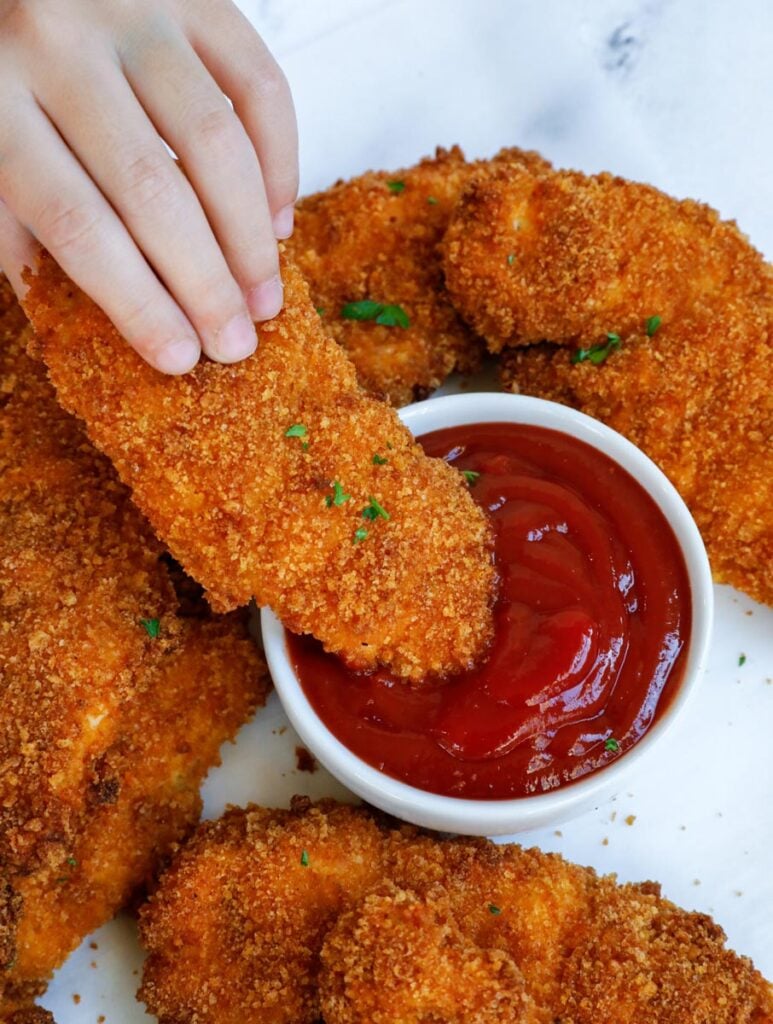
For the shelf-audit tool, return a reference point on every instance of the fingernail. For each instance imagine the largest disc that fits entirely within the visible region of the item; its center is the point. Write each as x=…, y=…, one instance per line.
x=178, y=356
x=283, y=221
x=265, y=299
x=235, y=341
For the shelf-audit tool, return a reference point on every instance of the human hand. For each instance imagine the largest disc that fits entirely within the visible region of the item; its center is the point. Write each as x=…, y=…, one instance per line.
x=89, y=93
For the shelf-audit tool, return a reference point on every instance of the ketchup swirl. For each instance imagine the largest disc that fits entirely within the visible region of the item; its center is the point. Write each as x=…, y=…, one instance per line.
x=592, y=623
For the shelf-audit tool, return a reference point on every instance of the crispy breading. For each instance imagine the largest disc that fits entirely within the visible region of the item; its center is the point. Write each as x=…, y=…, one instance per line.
x=273, y=917
x=106, y=732
x=212, y=956
x=376, y=237
x=697, y=397
x=402, y=957
x=250, y=511
x=566, y=257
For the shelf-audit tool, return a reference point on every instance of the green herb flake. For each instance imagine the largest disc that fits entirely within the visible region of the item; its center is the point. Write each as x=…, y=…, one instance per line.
x=72, y=862
x=321, y=310
x=597, y=353
x=379, y=460
x=296, y=430
x=611, y=744
x=374, y=511
x=151, y=627
x=494, y=909
x=304, y=858
x=511, y=259
x=742, y=660
x=432, y=201
x=62, y=881
x=396, y=187
x=305, y=446
x=383, y=313
x=360, y=535
x=470, y=476
x=653, y=322
x=338, y=497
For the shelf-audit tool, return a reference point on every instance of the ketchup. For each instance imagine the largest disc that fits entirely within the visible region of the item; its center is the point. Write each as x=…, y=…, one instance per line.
x=592, y=622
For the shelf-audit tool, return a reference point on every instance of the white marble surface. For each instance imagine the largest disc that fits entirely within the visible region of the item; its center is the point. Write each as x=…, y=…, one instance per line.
x=675, y=92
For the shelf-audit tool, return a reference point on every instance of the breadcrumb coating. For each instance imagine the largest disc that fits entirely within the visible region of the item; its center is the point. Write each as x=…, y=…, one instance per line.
x=249, y=511
x=401, y=957
x=566, y=257
x=276, y=917
x=106, y=731
x=697, y=397
x=376, y=237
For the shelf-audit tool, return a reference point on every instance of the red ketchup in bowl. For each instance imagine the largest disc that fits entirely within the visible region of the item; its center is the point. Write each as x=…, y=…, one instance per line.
x=592, y=626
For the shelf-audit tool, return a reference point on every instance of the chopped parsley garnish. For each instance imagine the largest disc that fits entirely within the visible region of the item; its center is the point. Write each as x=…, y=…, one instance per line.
x=374, y=510
x=611, y=744
x=383, y=313
x=360, y=535
x=494, y=909
x=338, y=497
x=432, y=201
x=296, y=430
x=305, y=446
x=321, y=310
x=511, y=259
x=396, y=187
x=151, y=627
x=470, y=476
x=742, y=660
x=304, y=858
x=597, y=353
x=63, y=881
x=653, y=322
x=72, y=862
x=379, y=460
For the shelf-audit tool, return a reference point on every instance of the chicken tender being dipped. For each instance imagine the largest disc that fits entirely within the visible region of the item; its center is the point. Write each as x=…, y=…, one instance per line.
x=114, y=704
x=278, y=478
x=369, y=249
x=569, y=258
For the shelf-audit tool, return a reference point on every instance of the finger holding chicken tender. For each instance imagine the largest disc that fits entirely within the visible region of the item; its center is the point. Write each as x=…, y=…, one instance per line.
x=569, y=258
x=375, y=239
x=278, y=478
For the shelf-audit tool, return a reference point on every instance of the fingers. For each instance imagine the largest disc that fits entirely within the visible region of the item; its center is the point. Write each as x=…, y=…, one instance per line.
x=122, y=151
x=18, y=249
x=246, y=71
x=189, y=110
x=49, y=193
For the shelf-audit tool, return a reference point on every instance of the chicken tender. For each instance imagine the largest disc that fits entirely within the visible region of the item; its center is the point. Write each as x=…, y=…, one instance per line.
x=275, y=917
x=234, y=932
x=398, y=957
x=569, y=258
x=278, y=478
x=697, y=397
x=114, y=706
x=376, y=238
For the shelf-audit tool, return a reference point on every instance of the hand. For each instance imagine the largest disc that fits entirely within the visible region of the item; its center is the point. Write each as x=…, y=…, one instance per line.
x=89, y=93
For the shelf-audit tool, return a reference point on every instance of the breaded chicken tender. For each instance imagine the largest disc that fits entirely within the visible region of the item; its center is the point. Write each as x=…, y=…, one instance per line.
x=568, y=258
x=278, y=478
x=235, y=929
x=376, y=238
x=114, y=706
x=401, y=957
x=697, y=397
x=277, y=917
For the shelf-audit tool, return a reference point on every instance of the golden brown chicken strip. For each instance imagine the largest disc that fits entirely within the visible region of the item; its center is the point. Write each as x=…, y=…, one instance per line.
x=274, y=917
x=375, y=239
x=114, y=706
x=402, y=957
x=568, y=258
x=278, y=478
x=697, y=397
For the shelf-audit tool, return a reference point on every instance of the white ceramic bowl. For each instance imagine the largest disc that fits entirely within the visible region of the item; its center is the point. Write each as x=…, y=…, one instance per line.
x=502, y=817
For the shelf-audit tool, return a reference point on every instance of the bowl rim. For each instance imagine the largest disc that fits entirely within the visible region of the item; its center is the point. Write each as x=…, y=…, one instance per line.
x=499, y=816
